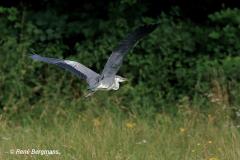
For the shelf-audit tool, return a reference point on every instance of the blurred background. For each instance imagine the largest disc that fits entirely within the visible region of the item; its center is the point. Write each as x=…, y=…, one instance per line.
x=193, y=54
x=183, y=78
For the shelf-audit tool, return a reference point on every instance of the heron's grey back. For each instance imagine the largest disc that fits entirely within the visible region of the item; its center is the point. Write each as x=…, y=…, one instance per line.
x=76, y=68
x=115, y=60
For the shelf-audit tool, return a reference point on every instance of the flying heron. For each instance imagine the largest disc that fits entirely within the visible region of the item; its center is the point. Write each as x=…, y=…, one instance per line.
x=107, y=80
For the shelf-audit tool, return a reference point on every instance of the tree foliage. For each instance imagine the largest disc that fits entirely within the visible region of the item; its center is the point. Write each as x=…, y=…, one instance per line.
x=178, y=59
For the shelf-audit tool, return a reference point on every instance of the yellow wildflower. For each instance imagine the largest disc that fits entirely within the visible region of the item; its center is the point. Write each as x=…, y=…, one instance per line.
x=210, y=142
x=96, y=122
x=182, y=130
x=130, y=125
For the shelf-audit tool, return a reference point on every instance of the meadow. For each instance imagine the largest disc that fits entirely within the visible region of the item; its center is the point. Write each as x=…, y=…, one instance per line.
x=99, y=134
x=181, y=100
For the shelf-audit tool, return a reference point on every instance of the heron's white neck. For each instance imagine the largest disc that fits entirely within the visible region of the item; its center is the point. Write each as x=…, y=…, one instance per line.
x=118, y=79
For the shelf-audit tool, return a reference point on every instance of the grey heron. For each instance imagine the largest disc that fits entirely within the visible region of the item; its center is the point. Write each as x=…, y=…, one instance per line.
x=107, y=80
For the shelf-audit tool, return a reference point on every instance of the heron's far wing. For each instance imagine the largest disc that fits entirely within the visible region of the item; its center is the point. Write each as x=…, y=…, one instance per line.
x=76, y=68
x=115, y=60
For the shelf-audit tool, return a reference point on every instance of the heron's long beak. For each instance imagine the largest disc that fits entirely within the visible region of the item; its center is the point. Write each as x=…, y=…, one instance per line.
x=121, y=79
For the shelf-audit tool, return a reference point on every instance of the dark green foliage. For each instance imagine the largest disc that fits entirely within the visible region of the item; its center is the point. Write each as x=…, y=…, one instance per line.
x=178, y=59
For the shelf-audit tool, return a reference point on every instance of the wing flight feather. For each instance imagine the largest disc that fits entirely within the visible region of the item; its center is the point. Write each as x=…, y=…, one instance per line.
x=76, y=68
x=115, y=60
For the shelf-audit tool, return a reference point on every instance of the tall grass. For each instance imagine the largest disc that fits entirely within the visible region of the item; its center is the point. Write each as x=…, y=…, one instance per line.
x=189, y=135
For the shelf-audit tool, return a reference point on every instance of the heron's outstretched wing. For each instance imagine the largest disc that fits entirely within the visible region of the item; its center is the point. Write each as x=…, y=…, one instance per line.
x=76, y=68
x=115, y=60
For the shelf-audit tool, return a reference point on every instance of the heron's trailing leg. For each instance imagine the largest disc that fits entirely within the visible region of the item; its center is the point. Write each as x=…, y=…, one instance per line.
x=90, y=93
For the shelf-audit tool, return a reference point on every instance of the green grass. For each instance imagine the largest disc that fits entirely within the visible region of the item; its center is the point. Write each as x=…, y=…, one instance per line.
x=190, y=135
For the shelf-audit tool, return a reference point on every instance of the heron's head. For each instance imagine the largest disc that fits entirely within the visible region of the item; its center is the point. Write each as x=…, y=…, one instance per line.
x=120, y=79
